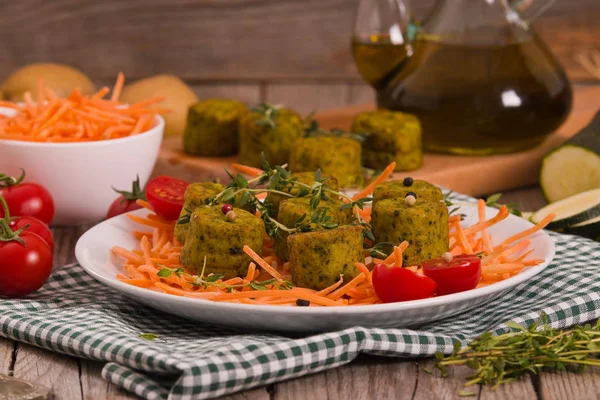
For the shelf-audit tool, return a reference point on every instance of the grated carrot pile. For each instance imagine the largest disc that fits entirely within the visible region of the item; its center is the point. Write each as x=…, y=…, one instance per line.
x=77, y=118
x=159, y=250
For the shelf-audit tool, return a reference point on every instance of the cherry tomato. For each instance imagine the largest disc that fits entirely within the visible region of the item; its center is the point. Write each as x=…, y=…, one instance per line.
x=26, y=198
x=24, y=268
x=127, y=200
x=121, y=206
x=460, y=274
x=165, y=195
x=394, y=284
x=35, y=226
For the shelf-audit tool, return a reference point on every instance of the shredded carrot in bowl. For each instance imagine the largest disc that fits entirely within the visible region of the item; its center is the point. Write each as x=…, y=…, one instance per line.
x=76, y=118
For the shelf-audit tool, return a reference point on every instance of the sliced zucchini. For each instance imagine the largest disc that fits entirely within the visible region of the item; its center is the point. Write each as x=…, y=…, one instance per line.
x=569, y=170
x=571, y=211
x=574, y=167
x=589, y=229
x=527, y=215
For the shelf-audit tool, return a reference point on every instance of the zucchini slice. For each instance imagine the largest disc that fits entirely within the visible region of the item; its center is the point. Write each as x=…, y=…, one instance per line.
x=589, y=229
x=569, y=170
x=572, y=210
x=573, y=167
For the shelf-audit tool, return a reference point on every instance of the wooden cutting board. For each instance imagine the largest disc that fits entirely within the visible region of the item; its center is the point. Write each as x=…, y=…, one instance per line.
x=470, y=175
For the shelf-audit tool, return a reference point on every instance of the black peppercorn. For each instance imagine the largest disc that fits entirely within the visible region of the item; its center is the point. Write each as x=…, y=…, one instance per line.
x=302, y=303
x=408, y=181
x=413, y=194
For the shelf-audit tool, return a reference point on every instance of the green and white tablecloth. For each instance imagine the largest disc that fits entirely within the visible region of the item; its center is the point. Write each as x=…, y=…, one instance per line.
x=76, y=315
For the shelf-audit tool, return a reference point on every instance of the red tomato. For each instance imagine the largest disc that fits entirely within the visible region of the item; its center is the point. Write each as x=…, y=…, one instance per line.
x=35, y=226
x=121, y=206
x=460, y=274
x=127, y=200
x=165, y=195
x=24, y=268
x=29, y=199
x=394, y=284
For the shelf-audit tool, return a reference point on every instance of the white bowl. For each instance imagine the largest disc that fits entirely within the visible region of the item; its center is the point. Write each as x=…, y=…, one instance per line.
x=80, y=176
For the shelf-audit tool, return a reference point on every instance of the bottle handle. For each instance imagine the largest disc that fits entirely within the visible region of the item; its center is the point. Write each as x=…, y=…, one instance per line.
x=529, y=10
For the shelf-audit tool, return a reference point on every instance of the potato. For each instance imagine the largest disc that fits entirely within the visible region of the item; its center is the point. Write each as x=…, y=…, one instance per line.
x=179, y=97
x=61, y=78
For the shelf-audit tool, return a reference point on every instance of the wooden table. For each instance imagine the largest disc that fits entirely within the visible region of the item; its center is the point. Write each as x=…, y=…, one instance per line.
x=368, y=377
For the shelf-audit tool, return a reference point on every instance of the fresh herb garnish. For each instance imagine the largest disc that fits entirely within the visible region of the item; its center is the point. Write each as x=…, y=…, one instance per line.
x=213, y=279
x=279, y=180
x=148, y=336
x=504, y=358
x=449, y=204
x=513, y=208
x=268, y=113
x=312, y=129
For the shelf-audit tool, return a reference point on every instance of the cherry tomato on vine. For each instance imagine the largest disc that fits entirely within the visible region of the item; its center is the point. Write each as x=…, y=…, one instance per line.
x=34, y=225
x=127, y=200
x=26, y=198
x=25, y=257
x=166, y=195
x=24, y=267
x=393, y=284
x=460, y=274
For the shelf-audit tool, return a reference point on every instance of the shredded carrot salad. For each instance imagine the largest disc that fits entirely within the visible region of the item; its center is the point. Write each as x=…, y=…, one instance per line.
x=77, y=118
x=267, y=276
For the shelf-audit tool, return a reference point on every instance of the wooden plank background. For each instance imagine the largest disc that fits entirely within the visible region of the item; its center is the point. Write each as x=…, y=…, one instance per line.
x=295, y=52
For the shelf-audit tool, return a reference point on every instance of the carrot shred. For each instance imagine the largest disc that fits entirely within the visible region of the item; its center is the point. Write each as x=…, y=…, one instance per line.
x=76, y=118
x=118, y=87
x=263, y=264
x=371, y=186
x=245, y=169
x=160, y=248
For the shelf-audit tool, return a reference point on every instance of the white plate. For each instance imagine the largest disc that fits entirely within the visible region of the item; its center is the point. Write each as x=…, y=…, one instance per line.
x=93, y=253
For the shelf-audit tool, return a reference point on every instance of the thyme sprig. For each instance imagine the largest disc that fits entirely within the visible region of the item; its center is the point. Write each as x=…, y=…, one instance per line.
x=205, y=281
x=312, y=129
x=268, y=114
x=452, y=207
x=504, y=358
x=278, y=180
x=513, y=208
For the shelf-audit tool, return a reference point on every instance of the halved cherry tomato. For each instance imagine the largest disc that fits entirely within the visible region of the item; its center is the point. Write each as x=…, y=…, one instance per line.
x=394, y=284
x=127, y=200
x=165, y=195
x=460, y=274
x=35, y=226
x=26, y=198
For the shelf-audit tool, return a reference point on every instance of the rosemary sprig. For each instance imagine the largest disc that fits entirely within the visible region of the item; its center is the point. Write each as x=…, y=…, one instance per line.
x=513, y=208
x=504, y=358
x=268, y=113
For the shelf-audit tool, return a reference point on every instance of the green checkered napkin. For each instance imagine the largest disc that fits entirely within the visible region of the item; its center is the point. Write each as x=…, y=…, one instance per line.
x=77, y=315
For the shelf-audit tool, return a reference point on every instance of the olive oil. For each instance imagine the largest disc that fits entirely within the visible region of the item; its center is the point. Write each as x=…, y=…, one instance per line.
x=470, y=98
x=377, y=57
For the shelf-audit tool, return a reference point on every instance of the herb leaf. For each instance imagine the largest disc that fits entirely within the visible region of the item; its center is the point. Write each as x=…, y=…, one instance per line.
x=148, y=336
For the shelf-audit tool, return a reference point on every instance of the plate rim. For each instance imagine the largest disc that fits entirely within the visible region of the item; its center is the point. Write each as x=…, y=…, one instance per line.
x=437, y=301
